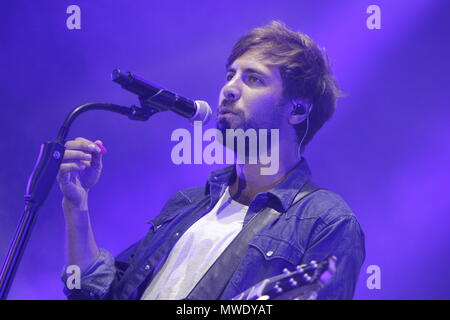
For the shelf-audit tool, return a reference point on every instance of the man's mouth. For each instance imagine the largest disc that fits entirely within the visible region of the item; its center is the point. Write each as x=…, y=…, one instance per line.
x=225, y=110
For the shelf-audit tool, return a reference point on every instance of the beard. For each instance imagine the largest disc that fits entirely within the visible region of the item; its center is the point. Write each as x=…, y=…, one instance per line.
x=234, y=122
x=238, y=121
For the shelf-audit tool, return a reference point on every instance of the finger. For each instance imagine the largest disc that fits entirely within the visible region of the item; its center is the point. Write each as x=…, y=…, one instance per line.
x=73, y=155
x=86, y=163
x=77, y=142
x=82, y=164
x=99, y=143
x=96, y=161
x=83, y=145
x=70, y=167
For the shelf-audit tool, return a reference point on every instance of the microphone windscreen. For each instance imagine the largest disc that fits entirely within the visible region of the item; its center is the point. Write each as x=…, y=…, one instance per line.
x=203, y=112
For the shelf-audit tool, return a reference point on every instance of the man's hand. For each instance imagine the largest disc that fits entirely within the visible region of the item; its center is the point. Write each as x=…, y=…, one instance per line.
x=79, y=171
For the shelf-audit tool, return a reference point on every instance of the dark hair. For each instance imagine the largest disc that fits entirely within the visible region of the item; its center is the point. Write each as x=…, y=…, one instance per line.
x=304, y=70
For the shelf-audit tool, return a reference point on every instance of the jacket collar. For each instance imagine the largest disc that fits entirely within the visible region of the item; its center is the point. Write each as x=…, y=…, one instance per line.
x=284, y=192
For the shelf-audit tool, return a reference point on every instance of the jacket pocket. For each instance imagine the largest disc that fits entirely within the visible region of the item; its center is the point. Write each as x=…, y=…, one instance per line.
x=159, y=222
x=172, y=208
x=272, y=248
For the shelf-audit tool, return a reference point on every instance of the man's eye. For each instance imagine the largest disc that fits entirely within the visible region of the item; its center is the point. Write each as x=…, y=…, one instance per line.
x=254, y=79
x=229, y=76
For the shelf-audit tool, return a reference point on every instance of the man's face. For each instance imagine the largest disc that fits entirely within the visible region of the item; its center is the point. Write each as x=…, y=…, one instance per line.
x=251, y=96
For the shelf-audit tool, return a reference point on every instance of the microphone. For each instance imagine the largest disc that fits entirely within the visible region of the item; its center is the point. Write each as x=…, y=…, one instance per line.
x=155, y=97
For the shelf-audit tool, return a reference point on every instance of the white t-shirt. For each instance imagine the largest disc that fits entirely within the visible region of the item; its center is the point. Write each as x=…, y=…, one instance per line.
x=196, y=250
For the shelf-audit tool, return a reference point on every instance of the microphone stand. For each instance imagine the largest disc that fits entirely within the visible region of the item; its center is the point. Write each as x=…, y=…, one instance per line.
x=42, y=178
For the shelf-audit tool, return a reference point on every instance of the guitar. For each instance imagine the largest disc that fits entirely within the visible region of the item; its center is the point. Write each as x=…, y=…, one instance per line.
x=302, y=284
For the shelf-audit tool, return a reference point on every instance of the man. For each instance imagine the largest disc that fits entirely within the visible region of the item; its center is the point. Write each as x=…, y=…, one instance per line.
x=275, y=79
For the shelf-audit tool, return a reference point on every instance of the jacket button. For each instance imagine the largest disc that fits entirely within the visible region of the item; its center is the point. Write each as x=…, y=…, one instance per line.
x=177, y=234
x=147, y=267
x=269, y=253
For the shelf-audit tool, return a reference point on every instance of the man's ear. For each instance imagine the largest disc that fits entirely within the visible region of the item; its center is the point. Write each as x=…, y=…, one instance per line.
x=297, y=118
x=300, y=111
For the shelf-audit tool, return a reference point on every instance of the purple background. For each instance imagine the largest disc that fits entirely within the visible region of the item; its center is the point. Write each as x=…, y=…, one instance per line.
x=385, y=151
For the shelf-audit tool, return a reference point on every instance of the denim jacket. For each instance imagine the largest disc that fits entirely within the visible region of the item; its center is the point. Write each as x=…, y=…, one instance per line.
x=316, y=227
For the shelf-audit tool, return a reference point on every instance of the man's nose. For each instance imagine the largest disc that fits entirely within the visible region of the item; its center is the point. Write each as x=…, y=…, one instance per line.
x=231, y=91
